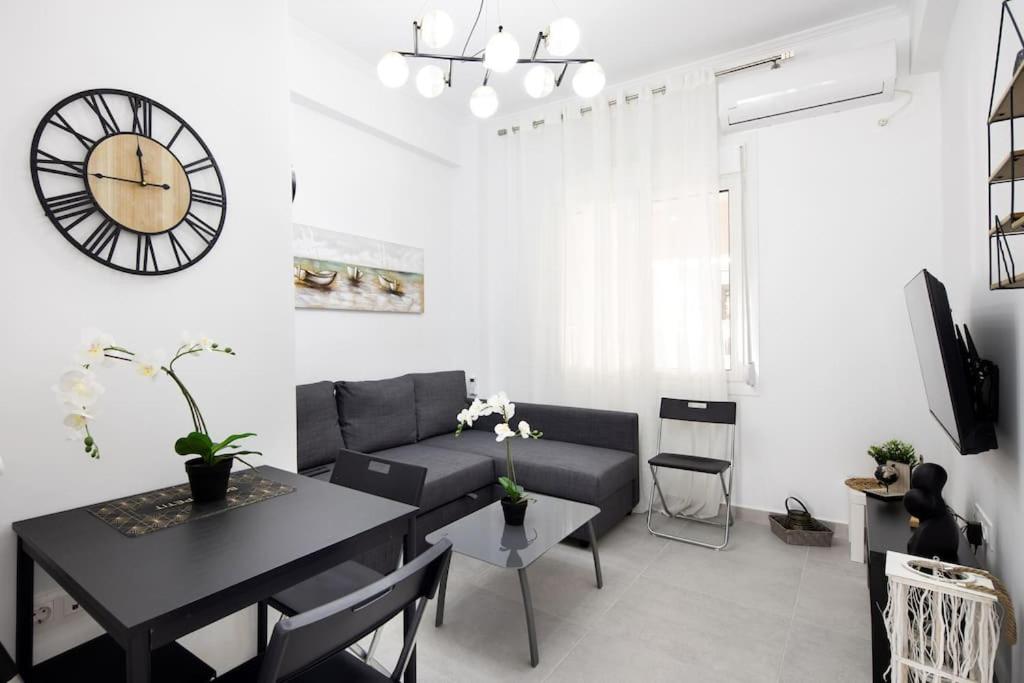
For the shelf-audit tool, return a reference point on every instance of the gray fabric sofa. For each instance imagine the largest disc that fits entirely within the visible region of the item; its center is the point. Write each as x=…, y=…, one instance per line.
x=586, y=455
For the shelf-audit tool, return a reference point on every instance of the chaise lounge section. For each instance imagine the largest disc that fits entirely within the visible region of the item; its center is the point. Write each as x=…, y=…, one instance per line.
x=590, y=456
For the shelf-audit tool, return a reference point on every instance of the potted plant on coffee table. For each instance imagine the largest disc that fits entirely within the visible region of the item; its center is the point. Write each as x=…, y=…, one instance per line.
x=78, y=390
x=895, y=459
x=515, y=500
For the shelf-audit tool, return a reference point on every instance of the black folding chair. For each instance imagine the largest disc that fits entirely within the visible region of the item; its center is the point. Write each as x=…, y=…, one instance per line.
x=395, y=481
x=707, y=412
x=312, y=647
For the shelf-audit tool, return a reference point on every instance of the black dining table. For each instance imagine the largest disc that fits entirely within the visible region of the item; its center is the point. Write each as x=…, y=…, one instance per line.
x=147, y=591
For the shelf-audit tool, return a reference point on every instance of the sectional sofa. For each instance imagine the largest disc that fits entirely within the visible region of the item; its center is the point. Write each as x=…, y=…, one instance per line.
x=586, y=455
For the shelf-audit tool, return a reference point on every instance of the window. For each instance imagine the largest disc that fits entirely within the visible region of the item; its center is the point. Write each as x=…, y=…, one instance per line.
x=738, y=277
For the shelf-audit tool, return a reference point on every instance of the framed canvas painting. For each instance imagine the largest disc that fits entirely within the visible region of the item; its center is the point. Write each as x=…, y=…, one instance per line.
x=336, y=270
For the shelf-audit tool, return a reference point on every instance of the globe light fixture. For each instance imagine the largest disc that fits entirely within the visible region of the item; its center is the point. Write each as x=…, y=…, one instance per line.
x=430, y=81
x=539, y=81
x=393, y=70
x=436, y=29
x=483, y=102
x=501, y=53
x=548, y=61
x=562, y=37
x=588, y=79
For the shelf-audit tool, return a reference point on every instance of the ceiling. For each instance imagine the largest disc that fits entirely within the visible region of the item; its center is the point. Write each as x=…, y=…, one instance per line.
x=629, y=38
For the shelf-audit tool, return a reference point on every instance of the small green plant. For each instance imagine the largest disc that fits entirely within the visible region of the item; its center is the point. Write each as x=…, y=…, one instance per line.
x=893, y=450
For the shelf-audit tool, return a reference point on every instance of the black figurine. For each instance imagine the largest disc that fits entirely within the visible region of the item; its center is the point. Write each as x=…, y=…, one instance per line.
x=937, y=534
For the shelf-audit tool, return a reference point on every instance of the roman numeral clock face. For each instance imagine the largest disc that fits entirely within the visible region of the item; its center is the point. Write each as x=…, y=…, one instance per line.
x=128, y=182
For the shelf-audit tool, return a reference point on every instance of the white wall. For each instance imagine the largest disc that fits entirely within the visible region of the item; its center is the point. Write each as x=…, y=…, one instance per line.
x=221, y=66
x=993, y=480
x=388, y=165
x=846, y=213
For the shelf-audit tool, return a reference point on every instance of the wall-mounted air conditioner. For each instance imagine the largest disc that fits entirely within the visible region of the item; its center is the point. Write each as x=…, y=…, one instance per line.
x=808, y=85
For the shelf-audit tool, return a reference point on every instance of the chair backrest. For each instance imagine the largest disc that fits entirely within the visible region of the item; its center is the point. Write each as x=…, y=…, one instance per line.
x=299, y=643
x=393, y=480
x=713, y=412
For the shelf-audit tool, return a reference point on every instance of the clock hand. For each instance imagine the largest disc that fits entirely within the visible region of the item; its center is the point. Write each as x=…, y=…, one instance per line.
x=138, y=153
x=163, y=186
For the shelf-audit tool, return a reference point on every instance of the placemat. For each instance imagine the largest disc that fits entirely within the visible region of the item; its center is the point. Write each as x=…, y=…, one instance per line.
x=144, y=513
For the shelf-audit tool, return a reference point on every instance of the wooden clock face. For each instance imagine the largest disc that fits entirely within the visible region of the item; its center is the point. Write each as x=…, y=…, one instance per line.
x=128, y=182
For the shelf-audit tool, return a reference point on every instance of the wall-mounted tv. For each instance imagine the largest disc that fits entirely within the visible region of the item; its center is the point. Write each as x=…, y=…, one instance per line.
x=962, y=389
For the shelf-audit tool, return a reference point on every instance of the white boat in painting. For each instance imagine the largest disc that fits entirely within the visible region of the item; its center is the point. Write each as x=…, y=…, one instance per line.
x=319, y=278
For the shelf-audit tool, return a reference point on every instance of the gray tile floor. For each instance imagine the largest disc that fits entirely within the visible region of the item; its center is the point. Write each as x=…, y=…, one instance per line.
x=757, y=611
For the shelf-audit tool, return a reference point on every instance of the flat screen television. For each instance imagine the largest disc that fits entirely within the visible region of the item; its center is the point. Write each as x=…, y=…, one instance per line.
x=962, y=389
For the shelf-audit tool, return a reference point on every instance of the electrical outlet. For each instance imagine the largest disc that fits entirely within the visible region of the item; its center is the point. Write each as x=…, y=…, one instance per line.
x=988, y=531
x=71, y=606
x=42, y=613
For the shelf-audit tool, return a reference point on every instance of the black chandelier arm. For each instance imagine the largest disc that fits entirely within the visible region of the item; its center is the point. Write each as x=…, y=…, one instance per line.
x=465, y=58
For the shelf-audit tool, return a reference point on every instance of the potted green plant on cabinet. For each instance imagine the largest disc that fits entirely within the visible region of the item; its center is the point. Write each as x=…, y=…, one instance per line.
x=895, y=459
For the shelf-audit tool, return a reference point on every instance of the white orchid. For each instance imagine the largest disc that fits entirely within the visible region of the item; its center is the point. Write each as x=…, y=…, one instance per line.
x=149, y=365
x=203, y=342
x=94, y=347
x=76, y=420
x=78, y=387
x=524, y=429
x=503, y=431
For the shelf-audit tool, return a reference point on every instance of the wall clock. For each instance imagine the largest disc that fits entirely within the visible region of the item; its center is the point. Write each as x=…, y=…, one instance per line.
x=128, y=182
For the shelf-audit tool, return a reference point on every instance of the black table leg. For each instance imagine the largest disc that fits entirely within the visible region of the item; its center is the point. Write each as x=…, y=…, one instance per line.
x=261, y=627
x=593, y=549
x=409, y=552
x=23, y=612
x=531, y=628
x=137, y=658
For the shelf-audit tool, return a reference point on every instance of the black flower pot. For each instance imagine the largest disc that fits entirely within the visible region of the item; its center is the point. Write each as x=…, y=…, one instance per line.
x=514, y=512
x=209, y=483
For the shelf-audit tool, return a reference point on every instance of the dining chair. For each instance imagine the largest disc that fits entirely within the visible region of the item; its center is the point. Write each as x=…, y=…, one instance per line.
x=703, y=412
x=311, y=647
x=396, y=481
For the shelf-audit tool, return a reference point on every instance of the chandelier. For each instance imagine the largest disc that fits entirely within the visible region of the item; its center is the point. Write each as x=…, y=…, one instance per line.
x=501, y=54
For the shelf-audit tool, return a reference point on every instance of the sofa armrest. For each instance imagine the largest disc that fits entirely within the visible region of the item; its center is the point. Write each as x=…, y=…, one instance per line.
x=585, y=426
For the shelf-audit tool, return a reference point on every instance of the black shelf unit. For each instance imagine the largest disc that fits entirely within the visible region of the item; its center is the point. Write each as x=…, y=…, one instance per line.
x=1002, y=268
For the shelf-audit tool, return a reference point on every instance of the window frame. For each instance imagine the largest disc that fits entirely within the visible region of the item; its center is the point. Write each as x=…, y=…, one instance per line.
x=743, y=306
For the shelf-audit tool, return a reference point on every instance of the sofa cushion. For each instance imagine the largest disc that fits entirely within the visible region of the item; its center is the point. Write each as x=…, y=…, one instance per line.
x=451, y=474
x=319, y=434
x=377, y=414
x=557, y=468
x=439, y=398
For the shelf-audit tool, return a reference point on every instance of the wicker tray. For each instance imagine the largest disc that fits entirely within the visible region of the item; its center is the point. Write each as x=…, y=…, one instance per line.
x=819, y=535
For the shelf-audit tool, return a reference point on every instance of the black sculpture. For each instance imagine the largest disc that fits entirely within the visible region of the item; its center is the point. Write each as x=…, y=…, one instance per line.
x=937, y=534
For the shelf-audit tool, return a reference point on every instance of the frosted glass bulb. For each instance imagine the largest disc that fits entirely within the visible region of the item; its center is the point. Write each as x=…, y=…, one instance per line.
x=430, y=81
x=436, y=28
x=501, y=53
x=588, y=79
x=483, y=102
x=563, y=36
x=539, y=81
x=393, y=70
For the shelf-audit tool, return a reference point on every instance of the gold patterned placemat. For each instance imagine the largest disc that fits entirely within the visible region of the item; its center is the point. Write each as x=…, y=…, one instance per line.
x=144, y=513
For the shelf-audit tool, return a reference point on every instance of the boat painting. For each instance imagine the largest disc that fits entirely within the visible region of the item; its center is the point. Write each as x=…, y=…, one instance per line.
x=375, y=275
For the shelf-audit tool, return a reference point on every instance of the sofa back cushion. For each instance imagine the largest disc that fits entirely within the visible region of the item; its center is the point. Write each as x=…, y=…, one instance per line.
x=377, y=414
x=319, y=434
x=439, y=398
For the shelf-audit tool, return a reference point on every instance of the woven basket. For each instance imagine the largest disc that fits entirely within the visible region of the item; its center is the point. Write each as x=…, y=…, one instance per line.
x=797, y=527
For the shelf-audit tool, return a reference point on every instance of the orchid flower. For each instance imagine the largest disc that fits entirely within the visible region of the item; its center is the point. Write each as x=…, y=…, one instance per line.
x=503, y=431
x=94, y=347
x=149, y=366
x=78, y=387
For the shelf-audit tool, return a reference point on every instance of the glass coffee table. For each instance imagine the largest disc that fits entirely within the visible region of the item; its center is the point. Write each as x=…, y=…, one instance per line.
x=484, y=536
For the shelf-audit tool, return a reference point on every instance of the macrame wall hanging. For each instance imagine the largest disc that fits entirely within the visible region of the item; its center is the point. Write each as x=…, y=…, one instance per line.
x=944, y=621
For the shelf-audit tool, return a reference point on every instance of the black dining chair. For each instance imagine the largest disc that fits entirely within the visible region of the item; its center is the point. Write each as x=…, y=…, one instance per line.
x=706, y=412
x=312, y=647
x=395, y=481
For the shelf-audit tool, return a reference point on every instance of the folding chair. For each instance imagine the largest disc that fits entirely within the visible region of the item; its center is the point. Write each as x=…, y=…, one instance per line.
x=706, y=412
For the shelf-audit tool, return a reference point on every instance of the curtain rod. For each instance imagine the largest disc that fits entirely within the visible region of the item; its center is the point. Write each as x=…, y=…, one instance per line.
x=774, y=60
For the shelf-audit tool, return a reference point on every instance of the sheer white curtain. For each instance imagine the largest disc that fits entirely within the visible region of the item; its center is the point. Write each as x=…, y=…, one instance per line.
x=601, y=264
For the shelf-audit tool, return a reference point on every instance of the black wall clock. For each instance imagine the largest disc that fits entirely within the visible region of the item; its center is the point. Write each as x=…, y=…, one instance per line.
x=128, y=182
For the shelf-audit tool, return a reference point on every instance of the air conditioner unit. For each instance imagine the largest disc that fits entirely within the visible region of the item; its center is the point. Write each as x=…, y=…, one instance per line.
x=808, y=86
